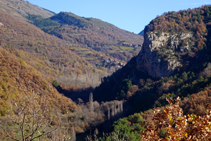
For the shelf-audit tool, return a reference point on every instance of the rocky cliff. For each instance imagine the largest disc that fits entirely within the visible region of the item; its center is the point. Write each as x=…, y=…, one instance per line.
x=158, y=56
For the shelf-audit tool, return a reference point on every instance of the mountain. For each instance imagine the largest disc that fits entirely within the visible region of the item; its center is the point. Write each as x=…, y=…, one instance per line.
x=34, y=64
x=70, y=54
x=105, y=52
x=174, y=61
x=21, y=8
x=164, y=46
x=105, y=47
x=93, y=33
x=48, y=54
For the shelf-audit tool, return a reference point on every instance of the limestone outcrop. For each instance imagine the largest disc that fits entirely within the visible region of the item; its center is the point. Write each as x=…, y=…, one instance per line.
x=158, y=55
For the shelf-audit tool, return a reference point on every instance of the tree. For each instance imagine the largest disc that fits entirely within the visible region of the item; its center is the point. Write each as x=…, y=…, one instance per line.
x=31, y=119
x=55, y=83
x=184, y=76
x=91, y=107
x=124, y=87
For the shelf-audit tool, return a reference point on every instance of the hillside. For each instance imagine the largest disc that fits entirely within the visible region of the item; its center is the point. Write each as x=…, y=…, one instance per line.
x=93, y=33
x=99, y=41
x=169, y=53
x=21, y=8
x=21, y=83
x=74, y=54
x=53, y=57
x=141, y=33
x=105, y=47
x=174, y=61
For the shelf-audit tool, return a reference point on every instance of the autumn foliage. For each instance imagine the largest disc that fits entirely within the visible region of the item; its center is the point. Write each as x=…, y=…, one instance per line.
x=171, y=124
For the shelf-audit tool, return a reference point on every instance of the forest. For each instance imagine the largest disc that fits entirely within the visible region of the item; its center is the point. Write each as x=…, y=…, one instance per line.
x=147, y=95
x=66, y=77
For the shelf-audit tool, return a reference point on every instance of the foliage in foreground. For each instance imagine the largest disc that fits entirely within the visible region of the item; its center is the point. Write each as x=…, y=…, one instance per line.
x=171, y=124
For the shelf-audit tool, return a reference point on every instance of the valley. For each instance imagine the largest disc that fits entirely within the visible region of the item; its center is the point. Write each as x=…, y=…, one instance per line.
x=71, y=78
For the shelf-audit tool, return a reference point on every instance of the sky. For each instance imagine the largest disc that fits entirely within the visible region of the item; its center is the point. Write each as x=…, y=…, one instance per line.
x=130, y=15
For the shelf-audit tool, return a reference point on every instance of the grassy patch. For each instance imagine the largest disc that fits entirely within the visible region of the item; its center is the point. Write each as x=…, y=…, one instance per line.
x=90, y=58
x=126, y=48
x=79, y=48
x=86, y=53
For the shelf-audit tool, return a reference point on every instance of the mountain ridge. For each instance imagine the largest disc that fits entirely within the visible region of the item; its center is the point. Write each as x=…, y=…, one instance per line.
x=94, y=33
x=20, y=9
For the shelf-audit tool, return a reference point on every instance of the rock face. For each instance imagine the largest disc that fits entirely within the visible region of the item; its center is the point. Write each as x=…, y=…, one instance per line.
x=158, y=54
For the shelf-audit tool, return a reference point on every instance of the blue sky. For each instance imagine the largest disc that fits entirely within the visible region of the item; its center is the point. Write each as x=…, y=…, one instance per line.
x=130, y=15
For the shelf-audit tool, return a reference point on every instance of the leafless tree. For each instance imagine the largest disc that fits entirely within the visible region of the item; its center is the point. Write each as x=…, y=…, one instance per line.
x=91, y=107
x=32, y=117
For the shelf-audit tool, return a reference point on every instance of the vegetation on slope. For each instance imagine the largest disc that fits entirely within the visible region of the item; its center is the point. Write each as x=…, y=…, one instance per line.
x=26, y=96
x=20, y=82
x=193, y=76
x=20, y=9
x=48, y=54
x=94, y=33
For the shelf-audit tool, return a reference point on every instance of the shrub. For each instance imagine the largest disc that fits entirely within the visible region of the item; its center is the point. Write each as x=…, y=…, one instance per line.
x=55, y=83
x=171, y=124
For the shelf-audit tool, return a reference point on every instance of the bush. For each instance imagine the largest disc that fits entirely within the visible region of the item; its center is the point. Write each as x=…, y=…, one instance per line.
x=55, y=83
x=127, y=128
x=171, y=124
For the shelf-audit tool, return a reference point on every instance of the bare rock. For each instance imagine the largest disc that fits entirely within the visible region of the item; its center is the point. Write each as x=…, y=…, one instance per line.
x=157, y=56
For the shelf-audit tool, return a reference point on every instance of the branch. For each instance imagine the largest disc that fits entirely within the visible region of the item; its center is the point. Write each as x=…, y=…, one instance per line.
x=44, y=133
x=22, y=127
x=8, y=134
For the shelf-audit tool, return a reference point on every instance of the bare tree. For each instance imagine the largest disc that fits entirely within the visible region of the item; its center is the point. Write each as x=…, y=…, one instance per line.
x=91, y=107
x=31, y=118
x=73, y=137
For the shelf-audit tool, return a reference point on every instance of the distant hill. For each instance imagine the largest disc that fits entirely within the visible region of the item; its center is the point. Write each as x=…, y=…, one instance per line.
x=99, y=41
x=21, y=9
x=94, y=33
x=48, y=54
x=141, y=33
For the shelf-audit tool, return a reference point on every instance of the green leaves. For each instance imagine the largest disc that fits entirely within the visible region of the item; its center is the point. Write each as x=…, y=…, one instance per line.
x=55, y=83
x=127, y=128
x=124, y=86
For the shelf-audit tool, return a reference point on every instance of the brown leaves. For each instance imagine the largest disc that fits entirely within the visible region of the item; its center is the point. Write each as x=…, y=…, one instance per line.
x=178, y=126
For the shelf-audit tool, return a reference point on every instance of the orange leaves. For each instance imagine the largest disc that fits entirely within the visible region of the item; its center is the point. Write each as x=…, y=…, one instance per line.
x=178, y=126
